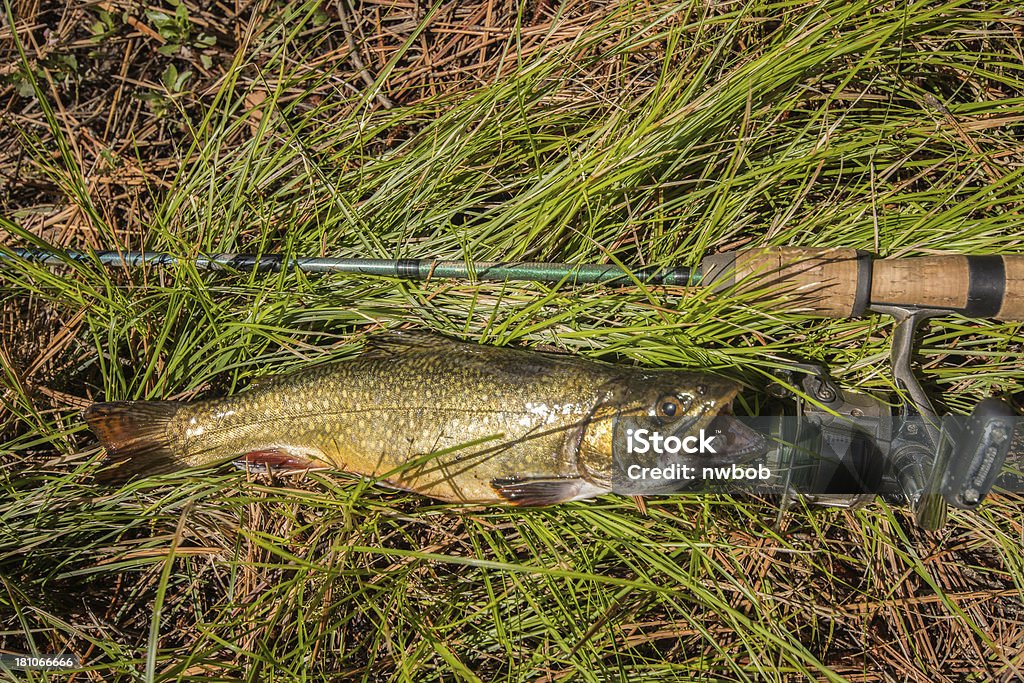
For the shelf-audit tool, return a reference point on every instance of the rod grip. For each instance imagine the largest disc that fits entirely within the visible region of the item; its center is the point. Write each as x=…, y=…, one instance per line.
x=841, y=283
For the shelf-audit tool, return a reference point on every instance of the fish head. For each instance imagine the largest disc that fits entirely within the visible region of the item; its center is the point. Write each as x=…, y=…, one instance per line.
x=692, y=408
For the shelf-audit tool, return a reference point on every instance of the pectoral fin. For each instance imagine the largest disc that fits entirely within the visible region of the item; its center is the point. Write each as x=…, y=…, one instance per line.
x=530, y=491
x=276, y=459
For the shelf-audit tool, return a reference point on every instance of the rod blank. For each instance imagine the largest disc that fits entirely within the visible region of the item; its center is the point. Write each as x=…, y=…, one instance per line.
x=406, y=269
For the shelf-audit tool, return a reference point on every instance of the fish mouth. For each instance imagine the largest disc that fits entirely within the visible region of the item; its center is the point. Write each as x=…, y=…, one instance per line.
x=733, y=440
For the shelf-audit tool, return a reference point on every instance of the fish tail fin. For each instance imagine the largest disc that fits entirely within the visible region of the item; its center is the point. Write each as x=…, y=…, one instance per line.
x=136, y=437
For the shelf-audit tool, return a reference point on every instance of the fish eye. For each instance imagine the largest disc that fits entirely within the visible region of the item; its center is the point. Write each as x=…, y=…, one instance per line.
x=669, y=406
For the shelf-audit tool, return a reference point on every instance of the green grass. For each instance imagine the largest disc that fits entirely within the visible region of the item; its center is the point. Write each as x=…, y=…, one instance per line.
x=648, y=133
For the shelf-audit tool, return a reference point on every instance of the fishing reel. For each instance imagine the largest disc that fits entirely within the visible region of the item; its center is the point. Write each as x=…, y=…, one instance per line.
x=837, y=447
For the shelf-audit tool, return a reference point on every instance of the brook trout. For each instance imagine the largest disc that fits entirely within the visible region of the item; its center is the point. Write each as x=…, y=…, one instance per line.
x=451, y=420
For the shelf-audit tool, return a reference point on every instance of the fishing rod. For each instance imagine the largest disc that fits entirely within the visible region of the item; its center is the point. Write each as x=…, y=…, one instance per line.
x=830, y=282
x=920, y=460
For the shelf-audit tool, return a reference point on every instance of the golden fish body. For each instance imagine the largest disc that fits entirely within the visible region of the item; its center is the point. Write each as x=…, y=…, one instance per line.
x=455, y=421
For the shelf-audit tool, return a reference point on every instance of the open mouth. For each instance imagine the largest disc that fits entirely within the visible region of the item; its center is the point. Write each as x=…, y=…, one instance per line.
x=734, y=439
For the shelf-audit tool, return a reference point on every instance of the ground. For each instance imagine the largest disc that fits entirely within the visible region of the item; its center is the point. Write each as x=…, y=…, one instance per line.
x=639, y=132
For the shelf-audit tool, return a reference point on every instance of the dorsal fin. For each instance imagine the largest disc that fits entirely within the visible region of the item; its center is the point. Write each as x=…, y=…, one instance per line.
x=395, y=343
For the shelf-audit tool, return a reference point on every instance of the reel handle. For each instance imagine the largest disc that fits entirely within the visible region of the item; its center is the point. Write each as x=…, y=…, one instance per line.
x=842, y=283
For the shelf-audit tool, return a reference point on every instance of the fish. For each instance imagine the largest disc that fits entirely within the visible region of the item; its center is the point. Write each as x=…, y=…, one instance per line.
x=455, y=421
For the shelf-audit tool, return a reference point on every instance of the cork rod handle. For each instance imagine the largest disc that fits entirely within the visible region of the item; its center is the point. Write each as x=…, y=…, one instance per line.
x=840, y=283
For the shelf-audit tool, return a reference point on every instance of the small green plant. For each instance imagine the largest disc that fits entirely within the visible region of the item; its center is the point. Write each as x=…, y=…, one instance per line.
x=173, y=80
x=102, y=28
x=61, y=67
x=177, y=29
